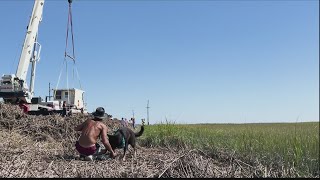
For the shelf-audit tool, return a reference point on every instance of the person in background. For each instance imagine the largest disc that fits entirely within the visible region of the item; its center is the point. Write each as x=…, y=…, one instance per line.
x=132, y=121
x=123, y=123
x=126, y=122
x=64, y=108
x=91, y=130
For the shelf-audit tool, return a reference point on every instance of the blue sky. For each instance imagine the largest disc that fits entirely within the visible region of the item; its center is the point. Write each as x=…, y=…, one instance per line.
x=196, y=61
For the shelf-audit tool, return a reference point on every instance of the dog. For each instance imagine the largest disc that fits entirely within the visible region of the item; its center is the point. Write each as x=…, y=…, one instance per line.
x=123, y=137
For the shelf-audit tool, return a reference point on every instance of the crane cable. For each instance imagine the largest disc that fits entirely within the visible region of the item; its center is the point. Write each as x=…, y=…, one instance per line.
x=66, y=55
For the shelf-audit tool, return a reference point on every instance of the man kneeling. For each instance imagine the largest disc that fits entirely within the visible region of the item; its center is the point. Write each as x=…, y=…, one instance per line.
x=87, y=144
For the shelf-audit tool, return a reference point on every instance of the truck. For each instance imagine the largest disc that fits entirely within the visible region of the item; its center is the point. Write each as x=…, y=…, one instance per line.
x=14, y=88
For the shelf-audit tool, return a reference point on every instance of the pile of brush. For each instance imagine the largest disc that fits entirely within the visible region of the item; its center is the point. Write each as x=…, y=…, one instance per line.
x=43, y=127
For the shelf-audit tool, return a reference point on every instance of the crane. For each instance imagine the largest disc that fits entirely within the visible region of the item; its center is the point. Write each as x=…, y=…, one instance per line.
x=13, y=87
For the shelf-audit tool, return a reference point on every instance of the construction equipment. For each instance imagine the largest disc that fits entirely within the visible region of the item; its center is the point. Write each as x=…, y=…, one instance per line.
x=14, y=88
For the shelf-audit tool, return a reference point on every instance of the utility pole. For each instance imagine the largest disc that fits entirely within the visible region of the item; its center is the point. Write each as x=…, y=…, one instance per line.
x=148, y=112
x=49, y=94
x=49, y=91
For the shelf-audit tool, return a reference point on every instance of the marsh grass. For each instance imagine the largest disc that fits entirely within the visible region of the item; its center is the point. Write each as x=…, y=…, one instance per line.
x=279, y=145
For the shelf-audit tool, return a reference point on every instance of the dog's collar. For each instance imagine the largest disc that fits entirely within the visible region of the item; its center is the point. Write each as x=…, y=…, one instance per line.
x=122, y=143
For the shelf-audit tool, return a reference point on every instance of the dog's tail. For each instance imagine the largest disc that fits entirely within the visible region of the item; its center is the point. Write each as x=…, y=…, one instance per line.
x=137, y=134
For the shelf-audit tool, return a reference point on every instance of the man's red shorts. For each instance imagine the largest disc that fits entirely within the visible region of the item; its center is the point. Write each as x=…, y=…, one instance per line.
x=85, y=151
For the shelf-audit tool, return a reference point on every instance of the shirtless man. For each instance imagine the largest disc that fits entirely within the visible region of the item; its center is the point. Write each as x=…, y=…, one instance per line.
x=91, y=129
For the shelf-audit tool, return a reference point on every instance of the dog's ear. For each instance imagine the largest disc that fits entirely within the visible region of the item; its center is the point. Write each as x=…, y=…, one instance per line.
x=117, y=133
x=109, y=135
x=114, y=135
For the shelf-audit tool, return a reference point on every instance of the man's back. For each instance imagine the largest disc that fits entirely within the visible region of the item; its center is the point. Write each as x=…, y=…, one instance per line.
x=90, y=133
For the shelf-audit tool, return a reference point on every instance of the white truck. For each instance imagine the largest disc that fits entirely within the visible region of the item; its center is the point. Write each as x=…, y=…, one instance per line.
x=14, y=88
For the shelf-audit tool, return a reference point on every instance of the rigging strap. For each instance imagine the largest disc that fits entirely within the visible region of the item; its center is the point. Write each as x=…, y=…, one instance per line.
x=66, y=55
x=71, y=25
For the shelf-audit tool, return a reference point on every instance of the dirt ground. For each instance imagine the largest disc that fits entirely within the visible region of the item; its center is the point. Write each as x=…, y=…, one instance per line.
x=43, y=146
x=23, y=157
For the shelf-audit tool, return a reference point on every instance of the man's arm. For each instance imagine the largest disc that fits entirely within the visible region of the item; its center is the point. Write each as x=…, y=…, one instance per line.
x=105, y=140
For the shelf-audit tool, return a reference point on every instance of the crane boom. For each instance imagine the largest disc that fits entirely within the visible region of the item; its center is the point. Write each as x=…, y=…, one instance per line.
x=30, y=39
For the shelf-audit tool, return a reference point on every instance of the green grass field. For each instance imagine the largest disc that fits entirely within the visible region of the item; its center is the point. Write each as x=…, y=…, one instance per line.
x=279, y=145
